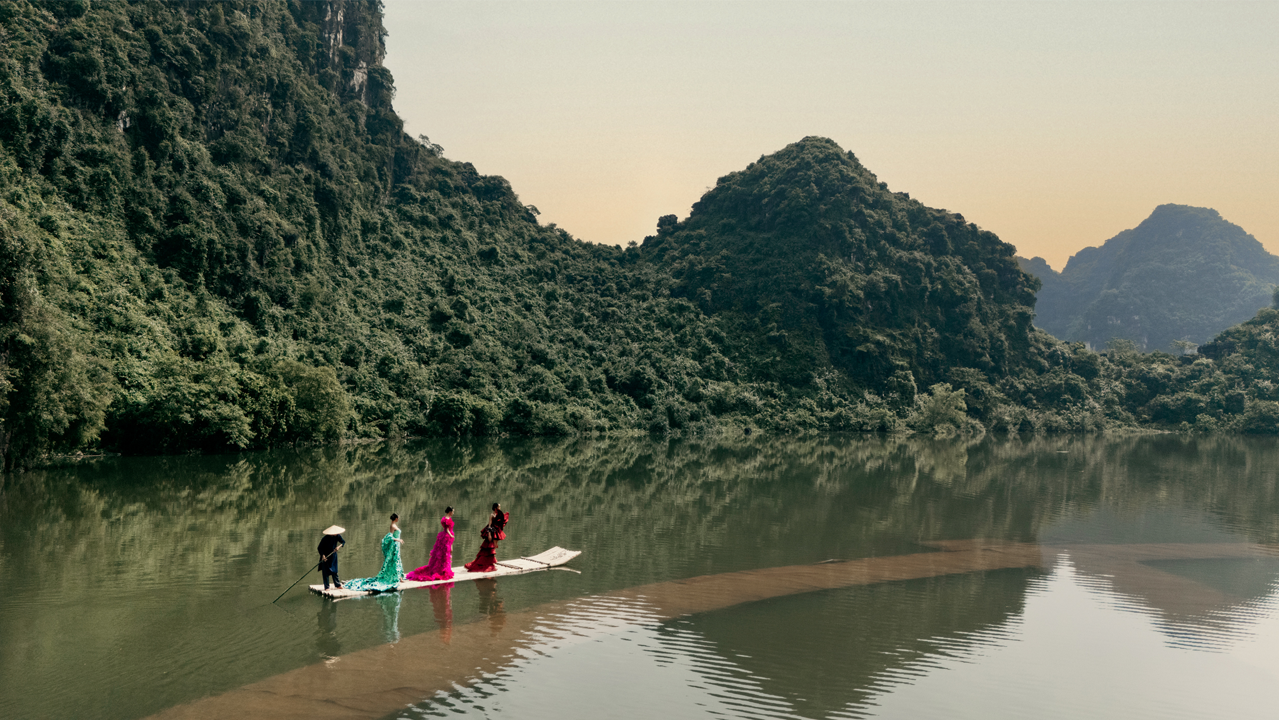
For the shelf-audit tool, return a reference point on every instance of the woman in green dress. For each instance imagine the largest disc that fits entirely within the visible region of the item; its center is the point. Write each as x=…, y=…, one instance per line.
x=392, y=572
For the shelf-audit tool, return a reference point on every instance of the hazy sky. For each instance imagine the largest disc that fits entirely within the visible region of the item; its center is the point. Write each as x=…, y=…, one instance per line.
x=1053, y=124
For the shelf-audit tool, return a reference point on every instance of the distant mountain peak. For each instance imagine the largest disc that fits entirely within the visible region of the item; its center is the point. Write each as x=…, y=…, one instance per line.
x=1177, y=209
x=830, y=269
x=1184, y=273
x=800, y=182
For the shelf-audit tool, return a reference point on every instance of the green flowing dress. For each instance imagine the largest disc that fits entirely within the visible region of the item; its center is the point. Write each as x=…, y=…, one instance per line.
x=392, y=573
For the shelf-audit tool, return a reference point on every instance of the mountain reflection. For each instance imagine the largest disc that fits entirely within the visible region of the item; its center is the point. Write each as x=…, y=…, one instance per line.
x=842, y=491
x=1199, y=603
x=171, y=563
x=825, y=652
x=768, y=651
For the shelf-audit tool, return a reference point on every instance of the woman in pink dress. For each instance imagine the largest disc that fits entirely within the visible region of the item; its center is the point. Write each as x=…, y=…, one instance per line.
x=439, y=565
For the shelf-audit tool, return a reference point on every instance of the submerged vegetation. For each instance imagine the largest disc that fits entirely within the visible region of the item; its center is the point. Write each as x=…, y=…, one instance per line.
x=215, y=235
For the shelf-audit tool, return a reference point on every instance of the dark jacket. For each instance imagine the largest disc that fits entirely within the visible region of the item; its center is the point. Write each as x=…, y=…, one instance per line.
x=329, y=543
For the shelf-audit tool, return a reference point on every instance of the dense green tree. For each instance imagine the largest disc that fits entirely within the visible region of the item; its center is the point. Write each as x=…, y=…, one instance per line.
x=815, y=264
x=215, y=235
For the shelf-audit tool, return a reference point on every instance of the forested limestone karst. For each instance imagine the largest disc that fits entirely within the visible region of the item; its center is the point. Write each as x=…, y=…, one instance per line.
x=1181, y=276
x=817, y=267
x=215, y=235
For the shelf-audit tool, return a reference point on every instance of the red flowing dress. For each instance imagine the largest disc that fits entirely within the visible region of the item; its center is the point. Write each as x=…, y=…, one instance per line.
x=439, y=564
x=487, y=558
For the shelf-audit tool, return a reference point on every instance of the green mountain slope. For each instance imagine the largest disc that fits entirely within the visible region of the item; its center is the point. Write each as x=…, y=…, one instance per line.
x=1231, y=385
x=214, y=235
x=817, y=266
x=1184, y=273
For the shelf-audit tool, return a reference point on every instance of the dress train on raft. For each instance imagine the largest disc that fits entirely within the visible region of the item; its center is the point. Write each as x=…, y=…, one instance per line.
x=546, y=560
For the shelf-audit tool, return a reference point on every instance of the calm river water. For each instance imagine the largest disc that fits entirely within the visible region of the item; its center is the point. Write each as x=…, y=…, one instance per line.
x=1061, y=577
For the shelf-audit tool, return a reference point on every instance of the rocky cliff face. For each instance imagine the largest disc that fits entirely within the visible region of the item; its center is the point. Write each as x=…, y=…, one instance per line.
x=351, y=41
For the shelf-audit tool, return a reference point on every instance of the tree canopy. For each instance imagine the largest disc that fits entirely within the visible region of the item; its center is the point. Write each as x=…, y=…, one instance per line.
x=215, y=235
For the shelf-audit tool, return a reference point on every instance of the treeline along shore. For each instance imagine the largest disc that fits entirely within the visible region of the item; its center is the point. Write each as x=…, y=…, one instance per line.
x=215, y=235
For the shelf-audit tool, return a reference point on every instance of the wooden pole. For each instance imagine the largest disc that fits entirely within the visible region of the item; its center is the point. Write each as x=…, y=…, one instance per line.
x=308, y=572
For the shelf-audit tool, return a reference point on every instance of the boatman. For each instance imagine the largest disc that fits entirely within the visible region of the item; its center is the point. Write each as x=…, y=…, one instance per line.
x=328, y=547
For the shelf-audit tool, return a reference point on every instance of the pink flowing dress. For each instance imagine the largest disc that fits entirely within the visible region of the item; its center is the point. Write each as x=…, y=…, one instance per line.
x=439, y=565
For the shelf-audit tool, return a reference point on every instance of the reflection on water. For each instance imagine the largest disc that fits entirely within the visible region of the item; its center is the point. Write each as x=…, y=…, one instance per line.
x=1076, y=651
x=148, y=582
x=378, y=680
x=442, y=609
x=1198, y=603
x=491, y=605
x=999, y=644
x=390, y=604
x=1236, y=578
x=328, y=645
x=825, y=651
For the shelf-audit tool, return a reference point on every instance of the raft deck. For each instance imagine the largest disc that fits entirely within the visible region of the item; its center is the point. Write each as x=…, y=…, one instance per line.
x=554, y=557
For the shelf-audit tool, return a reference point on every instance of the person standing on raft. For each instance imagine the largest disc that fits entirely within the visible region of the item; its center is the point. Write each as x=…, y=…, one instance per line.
x=328, y=548
x=392, y=571
x=439, y=564
x=486, y=559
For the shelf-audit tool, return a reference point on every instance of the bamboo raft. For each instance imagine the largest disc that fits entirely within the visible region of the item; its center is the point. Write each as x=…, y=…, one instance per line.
x=554, y=557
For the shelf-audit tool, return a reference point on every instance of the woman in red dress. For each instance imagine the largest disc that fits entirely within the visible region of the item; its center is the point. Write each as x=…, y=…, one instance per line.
x=439, y=565
x=490, y=534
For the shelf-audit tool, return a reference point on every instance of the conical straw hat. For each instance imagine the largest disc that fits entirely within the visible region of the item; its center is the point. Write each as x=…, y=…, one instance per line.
x=334, y=530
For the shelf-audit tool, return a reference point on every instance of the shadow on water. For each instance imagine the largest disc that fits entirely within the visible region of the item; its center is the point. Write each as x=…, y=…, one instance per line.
x=160, y=569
